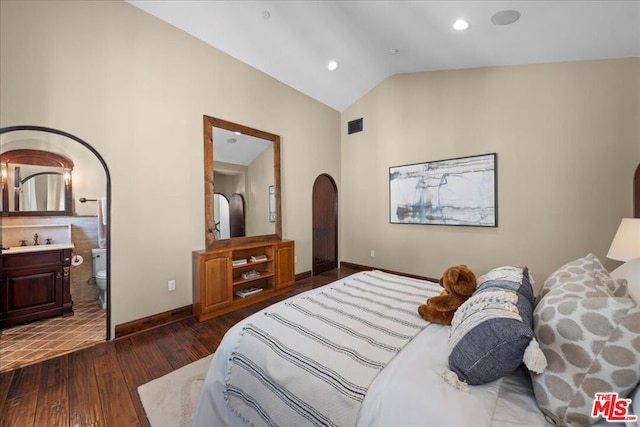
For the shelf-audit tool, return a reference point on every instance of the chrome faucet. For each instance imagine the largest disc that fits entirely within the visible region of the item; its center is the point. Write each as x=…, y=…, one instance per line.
x=35, y=240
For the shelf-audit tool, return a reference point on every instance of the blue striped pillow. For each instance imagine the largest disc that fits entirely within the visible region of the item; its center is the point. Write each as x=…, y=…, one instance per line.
x=493, y=329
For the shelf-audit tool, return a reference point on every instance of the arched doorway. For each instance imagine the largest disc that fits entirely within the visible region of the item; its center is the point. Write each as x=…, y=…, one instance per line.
x=9, y=129
x=236, y=215
x=325, y=224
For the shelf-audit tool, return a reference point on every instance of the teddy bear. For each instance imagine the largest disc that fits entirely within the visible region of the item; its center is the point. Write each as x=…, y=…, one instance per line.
x=458, y=282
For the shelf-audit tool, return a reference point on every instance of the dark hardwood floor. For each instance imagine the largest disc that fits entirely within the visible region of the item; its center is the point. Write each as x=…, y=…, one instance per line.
x=98, y=386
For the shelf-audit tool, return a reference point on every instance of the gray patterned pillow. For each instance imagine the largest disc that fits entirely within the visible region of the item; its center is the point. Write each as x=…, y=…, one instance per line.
x=589, y=330
x=586, y=269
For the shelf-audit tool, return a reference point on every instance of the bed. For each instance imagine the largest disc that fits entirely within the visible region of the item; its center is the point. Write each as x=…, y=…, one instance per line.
x=408, y=389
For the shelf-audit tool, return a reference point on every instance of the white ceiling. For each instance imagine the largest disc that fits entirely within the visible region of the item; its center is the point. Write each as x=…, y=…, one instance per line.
x=298, y=39
x=236, y=148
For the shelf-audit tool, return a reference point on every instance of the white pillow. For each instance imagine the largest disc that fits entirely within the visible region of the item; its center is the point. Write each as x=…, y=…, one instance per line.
x=630, y=272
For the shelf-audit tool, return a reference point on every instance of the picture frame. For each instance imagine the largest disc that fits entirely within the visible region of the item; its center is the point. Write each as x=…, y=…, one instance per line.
x=459, y=191
x=272, y=203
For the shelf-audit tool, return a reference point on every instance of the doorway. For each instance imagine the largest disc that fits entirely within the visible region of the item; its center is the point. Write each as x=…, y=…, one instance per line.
x=325, y=224
x=83, y=328
x=236, y=215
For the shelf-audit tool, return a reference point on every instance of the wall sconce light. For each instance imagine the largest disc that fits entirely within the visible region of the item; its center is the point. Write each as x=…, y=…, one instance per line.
x=4, y=175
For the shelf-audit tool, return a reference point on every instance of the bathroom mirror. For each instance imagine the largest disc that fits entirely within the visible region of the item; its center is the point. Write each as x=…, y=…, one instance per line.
x=241, y=164
x=35, y=182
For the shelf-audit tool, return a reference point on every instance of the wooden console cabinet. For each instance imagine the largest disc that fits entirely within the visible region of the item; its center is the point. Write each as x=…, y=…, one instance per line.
x=217, y=279
x=35, y=285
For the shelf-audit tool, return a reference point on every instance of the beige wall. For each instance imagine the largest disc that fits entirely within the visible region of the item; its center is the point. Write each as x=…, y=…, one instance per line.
x=568, y=141
x=259, y=176
x=135, y=89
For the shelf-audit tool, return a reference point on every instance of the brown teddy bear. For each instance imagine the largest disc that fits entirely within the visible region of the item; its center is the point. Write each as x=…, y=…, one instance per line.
x=458, y=282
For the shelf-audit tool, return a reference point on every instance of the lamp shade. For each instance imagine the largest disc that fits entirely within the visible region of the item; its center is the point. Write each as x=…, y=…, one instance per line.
x=626, y=243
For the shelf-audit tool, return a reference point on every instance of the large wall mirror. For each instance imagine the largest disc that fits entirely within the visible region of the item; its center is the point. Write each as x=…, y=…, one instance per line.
x=241, y=184
x=35, y=182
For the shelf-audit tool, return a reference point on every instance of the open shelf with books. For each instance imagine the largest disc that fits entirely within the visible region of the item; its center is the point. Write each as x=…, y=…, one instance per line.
x=247, y=292
x=258, y=268
x=224, y=279
x=248, y=279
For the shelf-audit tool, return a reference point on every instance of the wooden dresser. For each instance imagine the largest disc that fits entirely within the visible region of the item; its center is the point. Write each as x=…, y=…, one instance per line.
x=219, y=275
x=35, y=285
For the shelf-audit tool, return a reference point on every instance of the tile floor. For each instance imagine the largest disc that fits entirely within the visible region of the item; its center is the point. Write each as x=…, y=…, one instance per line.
x=45, y=339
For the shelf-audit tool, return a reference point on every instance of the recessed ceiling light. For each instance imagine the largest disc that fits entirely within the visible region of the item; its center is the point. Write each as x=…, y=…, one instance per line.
x=266, y=15
x=460, y=24
x=232, y=140
x=393, y=51
x=505, y=17
x=332, y=65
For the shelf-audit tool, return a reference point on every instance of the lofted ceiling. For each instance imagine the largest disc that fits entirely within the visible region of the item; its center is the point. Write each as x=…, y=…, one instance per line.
x=237, y=148
x=293, y=41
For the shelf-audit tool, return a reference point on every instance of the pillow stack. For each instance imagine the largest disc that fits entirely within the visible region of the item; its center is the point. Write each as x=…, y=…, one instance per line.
x=492, y=332
x=589, y=330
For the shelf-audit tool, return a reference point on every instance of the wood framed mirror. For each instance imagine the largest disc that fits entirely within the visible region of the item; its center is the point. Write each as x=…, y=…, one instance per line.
x=35, y=182
x=243, y=161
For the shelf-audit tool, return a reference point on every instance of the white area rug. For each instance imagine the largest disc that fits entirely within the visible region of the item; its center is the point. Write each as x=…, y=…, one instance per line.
x=169, y=401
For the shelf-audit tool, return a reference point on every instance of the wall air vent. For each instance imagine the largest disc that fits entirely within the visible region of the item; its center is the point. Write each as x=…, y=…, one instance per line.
x=355, y=126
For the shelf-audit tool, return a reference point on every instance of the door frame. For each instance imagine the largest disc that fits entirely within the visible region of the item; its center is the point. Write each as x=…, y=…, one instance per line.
x=108, y=198
x=313, y=228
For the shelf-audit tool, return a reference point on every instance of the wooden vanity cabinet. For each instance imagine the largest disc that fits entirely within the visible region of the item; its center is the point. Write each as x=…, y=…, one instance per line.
x=35, y=285
x=217, y=279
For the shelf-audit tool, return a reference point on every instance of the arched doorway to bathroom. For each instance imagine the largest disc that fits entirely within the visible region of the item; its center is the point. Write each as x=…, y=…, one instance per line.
x=54, y=140
x=325, y=224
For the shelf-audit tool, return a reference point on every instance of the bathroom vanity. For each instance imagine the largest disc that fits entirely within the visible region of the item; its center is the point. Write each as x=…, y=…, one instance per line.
x=35, y=284
x=35, y=278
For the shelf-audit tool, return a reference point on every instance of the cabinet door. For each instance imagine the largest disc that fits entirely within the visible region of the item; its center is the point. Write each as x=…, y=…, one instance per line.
x=285, y=266
x=30, y=294
x=216, y=287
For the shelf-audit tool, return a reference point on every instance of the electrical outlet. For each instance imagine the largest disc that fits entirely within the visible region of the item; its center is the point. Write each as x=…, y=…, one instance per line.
x=295, y=259
x=372, y=254
x=172, y=285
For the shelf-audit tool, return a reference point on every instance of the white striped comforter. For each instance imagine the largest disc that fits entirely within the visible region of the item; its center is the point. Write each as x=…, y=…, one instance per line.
x=311, y=360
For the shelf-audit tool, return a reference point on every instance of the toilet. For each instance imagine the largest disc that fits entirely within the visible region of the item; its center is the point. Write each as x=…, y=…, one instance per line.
x=99, y=264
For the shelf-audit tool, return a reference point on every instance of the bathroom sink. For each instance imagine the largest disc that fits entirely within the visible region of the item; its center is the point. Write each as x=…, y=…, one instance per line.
x=12, y=235
x=23, y=249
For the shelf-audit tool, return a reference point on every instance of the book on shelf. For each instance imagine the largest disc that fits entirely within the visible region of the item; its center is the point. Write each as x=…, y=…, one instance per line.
x=243, y=293
x=256, y=258
x=239, y=261
x=251, y=274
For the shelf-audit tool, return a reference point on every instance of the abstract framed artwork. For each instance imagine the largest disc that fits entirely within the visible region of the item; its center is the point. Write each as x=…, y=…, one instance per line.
x=460, y=191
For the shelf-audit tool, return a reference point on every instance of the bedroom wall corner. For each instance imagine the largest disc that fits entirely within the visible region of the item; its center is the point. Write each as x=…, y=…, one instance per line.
x=566, y=136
